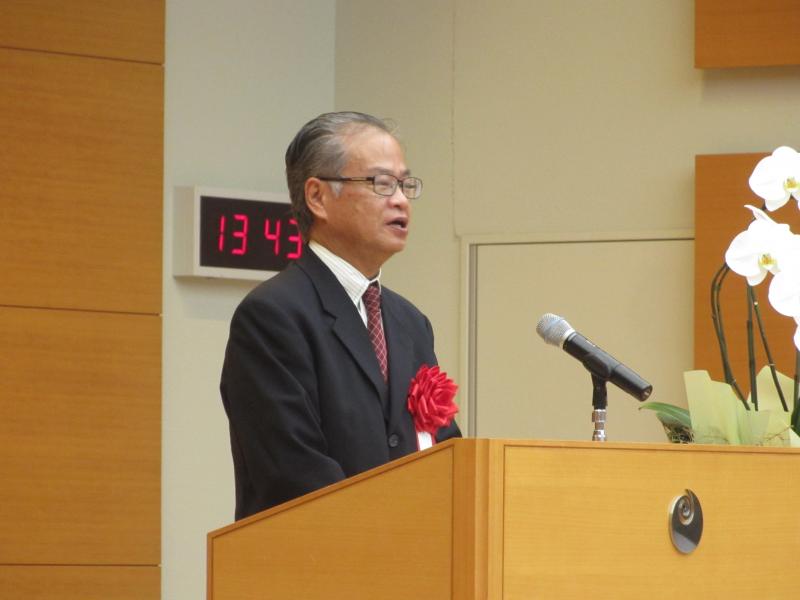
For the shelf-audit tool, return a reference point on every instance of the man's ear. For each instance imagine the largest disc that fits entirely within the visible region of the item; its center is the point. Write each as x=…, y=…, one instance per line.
x=317, y=193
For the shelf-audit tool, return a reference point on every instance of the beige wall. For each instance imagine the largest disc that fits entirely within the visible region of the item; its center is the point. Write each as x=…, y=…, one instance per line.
x=587, y=115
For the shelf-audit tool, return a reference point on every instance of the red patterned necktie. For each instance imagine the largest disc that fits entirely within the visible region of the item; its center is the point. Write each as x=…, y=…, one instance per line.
x=372, y=302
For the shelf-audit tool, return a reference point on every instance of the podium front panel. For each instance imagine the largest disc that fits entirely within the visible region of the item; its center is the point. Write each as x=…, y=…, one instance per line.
x=386, y=536
x=591, y=520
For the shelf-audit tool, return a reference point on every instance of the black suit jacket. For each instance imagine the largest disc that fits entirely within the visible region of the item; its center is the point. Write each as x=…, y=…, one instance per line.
x=302, y=388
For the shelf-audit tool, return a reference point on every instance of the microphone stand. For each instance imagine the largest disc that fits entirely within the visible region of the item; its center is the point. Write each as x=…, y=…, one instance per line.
x=599, y=404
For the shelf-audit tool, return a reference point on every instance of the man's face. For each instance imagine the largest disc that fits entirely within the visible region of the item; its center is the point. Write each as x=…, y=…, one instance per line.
x=363, y=227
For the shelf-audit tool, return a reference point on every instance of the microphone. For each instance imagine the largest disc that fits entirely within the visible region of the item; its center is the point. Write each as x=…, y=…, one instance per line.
x=556, y=331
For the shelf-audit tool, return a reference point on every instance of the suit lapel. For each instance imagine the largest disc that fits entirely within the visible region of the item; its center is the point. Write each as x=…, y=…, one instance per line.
x=347, y=324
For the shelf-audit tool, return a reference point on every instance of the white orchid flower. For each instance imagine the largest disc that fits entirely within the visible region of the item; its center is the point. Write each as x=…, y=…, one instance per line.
x=797, y=333
x=760, y=249
x=777, y=177
x=784, y=290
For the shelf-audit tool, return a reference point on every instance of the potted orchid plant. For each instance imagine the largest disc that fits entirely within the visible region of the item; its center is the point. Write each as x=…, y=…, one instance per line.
x=770, y=414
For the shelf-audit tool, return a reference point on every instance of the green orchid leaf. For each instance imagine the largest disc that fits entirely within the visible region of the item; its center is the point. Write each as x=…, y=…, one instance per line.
x=669, y=414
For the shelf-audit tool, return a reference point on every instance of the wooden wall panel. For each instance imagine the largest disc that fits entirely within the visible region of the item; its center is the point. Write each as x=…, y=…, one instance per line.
x=79, y=438
x=79, y=583
x=721, y=191
x=746, y=33
x=124, y=29
x=81, y=114
x=82, y=169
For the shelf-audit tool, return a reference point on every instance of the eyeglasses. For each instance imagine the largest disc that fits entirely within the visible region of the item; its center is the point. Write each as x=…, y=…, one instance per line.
x=386, y=184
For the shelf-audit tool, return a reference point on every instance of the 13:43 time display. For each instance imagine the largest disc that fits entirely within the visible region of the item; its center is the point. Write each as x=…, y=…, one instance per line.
x=247, y=234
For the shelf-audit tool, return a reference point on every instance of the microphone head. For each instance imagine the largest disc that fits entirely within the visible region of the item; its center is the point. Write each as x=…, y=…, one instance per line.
x=553, y=329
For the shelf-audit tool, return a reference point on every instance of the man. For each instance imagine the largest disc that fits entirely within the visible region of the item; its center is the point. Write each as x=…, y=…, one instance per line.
x=310, y=393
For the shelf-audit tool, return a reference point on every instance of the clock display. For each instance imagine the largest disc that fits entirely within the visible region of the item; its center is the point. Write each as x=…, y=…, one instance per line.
x=247, y=234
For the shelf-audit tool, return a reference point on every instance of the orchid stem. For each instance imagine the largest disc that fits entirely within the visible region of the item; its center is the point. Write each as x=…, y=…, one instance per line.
x=770, y=361
x=796, y=412
x=716, y=317
x=751, y=353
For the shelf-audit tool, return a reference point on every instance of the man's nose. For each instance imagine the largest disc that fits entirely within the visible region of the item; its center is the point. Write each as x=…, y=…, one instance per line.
x=399, y=198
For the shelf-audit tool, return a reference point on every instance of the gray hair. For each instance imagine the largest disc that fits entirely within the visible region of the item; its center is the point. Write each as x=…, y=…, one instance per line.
x=318, y=151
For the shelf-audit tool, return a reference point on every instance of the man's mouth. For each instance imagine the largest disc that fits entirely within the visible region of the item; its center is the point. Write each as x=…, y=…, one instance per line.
x=399, y=223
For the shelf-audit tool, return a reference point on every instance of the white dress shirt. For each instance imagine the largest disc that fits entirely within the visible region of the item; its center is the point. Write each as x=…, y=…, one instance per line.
x=352, y=280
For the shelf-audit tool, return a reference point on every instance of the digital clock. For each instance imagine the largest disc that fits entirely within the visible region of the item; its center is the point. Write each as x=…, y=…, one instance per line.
x=233, y=234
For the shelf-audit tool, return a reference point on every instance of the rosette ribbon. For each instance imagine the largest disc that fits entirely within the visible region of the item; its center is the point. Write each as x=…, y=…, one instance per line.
x=430, y=402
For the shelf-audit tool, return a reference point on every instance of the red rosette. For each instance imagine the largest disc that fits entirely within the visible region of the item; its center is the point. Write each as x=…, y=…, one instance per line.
x=430, y=399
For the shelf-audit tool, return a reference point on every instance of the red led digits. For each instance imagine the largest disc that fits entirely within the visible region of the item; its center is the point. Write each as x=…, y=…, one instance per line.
x=275, y=236
x=241, y=234
x=221, y=244
x=228, y=241
x=297, y=241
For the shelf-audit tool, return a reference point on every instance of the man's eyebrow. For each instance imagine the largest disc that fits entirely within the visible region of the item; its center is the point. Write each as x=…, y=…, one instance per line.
x=382, y=171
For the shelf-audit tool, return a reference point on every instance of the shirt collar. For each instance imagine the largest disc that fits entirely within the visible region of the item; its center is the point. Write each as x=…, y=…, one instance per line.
x=353, y=281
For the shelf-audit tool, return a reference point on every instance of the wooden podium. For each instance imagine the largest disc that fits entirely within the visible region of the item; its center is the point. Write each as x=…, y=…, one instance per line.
x=490, y=519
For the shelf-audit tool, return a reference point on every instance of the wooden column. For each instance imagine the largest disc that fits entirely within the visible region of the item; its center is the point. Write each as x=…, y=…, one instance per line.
x=81, y=111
